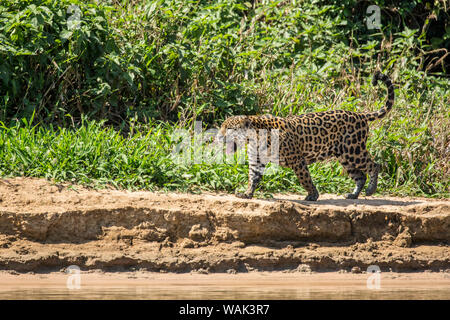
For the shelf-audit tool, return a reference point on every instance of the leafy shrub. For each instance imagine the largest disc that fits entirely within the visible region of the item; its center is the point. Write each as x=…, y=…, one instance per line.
x=180, y=61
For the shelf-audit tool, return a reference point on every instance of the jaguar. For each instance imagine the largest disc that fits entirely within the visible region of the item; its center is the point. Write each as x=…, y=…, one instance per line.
x=307, y=138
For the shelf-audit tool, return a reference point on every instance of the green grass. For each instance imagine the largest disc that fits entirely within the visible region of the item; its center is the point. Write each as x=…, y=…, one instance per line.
x=97, y=155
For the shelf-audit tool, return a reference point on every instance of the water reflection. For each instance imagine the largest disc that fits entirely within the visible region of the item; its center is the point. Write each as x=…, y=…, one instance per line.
x=211, y=292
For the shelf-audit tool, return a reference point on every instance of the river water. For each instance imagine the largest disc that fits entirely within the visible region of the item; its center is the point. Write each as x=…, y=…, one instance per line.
x=243, y=286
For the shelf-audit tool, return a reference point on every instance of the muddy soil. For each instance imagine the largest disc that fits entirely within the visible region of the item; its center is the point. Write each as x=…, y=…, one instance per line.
x=47, y=227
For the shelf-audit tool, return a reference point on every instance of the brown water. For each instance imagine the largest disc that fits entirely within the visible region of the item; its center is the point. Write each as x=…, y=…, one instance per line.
x=213, y=293
x=223, y=286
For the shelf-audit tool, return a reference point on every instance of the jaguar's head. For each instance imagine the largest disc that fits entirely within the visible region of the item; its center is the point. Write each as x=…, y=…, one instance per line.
x=236, y=123
x=233, y=128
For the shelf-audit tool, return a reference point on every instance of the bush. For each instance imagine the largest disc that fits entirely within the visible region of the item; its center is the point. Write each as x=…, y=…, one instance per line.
x=178, y=61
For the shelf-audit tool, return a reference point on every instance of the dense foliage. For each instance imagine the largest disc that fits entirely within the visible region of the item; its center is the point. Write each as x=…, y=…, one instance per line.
x=178, y=61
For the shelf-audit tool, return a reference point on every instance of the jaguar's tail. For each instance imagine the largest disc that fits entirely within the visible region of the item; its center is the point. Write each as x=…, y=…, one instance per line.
x=390, y=98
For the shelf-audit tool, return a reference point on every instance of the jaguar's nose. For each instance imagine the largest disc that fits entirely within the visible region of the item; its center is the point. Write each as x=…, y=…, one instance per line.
x=231, y=147
x=219, y=138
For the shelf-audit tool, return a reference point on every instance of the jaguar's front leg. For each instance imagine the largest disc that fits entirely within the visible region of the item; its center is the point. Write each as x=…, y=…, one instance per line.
x=303, y=175
x=255, y=173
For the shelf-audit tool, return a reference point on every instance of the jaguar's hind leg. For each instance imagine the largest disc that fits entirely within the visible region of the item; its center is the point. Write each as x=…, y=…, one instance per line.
x=368, y=166
x=302, y=172
x=351, y=166
x=373, y=170
x=358, y=166
x=360, y=179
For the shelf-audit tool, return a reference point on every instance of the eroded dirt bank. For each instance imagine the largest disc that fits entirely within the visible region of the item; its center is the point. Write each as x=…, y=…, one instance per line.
x=49, y=227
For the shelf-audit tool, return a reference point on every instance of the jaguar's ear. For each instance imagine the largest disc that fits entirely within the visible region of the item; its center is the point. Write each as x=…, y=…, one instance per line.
x=246, y=123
